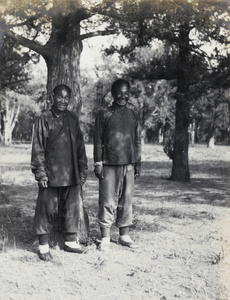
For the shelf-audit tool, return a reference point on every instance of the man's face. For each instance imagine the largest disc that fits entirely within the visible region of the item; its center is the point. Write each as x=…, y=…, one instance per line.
x=121, y=94
x=61, y=100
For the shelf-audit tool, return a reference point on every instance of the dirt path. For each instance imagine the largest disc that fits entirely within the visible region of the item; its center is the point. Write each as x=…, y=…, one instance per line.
x=183, y=231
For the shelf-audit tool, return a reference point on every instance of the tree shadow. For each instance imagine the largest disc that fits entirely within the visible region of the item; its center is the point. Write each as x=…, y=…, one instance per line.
x=16, y=216
x=209, y=186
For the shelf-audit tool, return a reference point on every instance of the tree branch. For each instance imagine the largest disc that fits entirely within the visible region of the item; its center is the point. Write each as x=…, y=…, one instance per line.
x=26, y=42
x=25, y=23
x=98, y=33
x=6, y=84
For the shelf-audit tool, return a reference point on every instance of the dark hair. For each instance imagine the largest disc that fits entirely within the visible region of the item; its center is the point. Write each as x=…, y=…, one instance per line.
x=119, y=82
x=61, y=87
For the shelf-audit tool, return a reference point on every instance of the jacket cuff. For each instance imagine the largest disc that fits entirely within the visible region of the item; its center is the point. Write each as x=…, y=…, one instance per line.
x=41, y=176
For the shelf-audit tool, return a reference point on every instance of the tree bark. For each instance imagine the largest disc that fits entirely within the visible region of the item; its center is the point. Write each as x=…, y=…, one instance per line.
x=180, y=168
x=62, y=56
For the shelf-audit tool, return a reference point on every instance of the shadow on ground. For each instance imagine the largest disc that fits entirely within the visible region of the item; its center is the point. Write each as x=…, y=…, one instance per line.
x=209, y=185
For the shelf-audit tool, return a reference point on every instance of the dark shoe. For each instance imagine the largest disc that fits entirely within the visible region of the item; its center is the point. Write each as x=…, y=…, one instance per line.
x=131, y=244
x=45, y=256
x=79, y=250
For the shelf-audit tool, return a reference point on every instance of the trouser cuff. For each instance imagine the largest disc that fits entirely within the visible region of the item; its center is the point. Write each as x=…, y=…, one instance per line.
x=43, y=239
x=105, y=232
x=124, y=230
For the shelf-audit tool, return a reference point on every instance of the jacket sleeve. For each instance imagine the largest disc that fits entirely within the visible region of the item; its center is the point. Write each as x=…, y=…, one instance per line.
x=81, y=153
x=137, y=141
x=98, y=138
x=40, y=135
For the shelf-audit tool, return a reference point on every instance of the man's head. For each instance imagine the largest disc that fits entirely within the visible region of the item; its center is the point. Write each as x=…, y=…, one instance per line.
x=61, y=96
x=120, y=91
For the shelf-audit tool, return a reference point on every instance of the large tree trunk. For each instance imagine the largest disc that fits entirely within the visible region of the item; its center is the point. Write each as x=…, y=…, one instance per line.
x=62, y=57
x=180, y=168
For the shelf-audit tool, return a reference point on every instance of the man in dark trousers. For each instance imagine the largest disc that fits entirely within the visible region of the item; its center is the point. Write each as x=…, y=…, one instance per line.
x=59, y=164
x=117, y=158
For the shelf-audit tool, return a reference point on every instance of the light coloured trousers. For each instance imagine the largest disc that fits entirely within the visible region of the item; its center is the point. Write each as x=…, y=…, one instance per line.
x=115, y=196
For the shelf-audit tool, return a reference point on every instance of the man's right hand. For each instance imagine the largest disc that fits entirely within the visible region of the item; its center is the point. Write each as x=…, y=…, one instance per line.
x=43, y=184
x=98, y=170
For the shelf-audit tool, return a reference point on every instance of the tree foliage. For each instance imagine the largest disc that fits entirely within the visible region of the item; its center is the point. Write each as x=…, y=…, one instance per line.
x=56, y=29
x=185, y=28
x=13, y=78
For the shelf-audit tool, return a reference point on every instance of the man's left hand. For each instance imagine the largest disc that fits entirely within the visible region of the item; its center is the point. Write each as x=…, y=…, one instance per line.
x=83, y=177
x=137, y=170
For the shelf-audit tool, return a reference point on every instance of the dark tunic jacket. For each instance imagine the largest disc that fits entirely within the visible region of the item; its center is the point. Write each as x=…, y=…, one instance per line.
x=117, y=139
x=58, y=150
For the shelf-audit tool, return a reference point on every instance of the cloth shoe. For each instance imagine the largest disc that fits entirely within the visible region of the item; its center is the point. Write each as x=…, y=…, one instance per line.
x=125, y=240
x=74, y=247
x=105, y=244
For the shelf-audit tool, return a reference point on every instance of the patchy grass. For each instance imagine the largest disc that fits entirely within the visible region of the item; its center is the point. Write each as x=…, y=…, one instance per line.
x=183, y=230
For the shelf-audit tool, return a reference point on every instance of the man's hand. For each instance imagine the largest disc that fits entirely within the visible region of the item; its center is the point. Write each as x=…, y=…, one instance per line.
x=43, y=183
x=137, y=170
x=83, y=177
x=98, y=170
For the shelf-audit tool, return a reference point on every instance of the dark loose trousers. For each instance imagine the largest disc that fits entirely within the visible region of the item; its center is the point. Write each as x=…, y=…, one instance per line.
x=115, y=195
x=64, y=203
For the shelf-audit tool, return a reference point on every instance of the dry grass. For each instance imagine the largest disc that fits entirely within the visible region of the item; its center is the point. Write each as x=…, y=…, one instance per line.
x=183, y=230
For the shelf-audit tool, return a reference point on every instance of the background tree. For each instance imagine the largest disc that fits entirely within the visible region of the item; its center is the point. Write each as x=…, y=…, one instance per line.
x=184, y=27
x=210, y=104
x=210, y=117
x=12, y=83
x=31, y=103
x=153, y=101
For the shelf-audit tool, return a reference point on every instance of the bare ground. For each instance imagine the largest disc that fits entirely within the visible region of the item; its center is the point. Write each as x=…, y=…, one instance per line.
x=183, y=230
